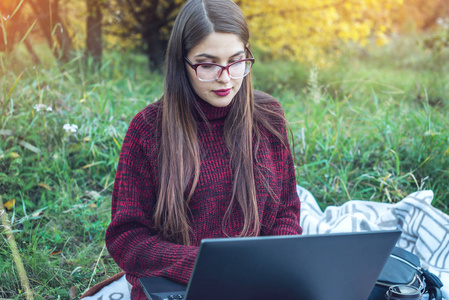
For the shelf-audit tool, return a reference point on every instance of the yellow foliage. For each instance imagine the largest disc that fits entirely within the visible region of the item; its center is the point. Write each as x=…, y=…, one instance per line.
x=418, y=14
x=310, y=30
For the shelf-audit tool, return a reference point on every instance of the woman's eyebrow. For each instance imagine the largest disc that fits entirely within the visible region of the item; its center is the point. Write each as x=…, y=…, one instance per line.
x=215, y=57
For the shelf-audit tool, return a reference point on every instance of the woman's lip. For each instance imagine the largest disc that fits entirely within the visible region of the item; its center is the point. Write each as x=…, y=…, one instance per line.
x=222, y=92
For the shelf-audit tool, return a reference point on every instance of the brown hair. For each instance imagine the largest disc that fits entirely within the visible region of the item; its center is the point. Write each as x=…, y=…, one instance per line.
x=179, y=159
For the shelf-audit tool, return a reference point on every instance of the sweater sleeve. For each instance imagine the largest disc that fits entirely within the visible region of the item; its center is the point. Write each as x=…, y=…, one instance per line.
x=131, y=238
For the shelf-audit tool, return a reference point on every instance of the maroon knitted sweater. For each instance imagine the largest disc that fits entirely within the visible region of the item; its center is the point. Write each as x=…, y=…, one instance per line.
x=131, y=238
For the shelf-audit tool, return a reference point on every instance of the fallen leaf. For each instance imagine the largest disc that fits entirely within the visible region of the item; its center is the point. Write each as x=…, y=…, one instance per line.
x=30, y=147
x=45, y=186
x=5, y=132
x=72, y=292
x=73, y=208
x=9, y=205
x=36, y=214
x=88, y=166
x=94, y=195
x=14, y=155
x=56, y=252
x=92, y=205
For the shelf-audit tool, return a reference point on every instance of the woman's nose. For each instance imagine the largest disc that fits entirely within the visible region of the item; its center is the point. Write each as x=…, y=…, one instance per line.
x=224, y=77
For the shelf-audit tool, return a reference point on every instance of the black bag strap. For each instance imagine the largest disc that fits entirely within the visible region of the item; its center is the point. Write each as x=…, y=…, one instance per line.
x=434, y=293
x=433, y=285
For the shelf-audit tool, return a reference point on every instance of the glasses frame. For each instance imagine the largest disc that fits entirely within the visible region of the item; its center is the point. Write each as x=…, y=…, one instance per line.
x=195, y=67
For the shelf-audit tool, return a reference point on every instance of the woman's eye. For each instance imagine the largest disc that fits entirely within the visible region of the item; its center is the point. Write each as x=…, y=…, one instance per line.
x=236, y=59
x=237, y=63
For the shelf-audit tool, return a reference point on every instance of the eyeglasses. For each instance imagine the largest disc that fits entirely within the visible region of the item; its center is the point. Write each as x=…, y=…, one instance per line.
x=211, y=72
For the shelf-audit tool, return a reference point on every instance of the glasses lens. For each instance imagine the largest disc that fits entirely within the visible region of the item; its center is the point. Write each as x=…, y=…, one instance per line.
x=207, y=72
x=240, y=69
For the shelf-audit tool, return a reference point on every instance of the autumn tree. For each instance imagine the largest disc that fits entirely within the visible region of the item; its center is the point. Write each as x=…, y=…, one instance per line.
x=419, y=14
x=311, y=30
x=94, y=32
x=15, y=24
x=150, y=20
x=52, y=26
x=56, y=22
x=305, y=30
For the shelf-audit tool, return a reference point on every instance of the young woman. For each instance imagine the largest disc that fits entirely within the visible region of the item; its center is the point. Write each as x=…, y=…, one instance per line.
x=209, y=159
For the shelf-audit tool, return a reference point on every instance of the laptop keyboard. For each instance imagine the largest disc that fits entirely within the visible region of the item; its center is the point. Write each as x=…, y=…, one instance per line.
x=175, y=297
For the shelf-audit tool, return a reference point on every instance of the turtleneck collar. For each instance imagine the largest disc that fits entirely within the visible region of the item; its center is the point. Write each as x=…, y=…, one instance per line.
x=212, y=112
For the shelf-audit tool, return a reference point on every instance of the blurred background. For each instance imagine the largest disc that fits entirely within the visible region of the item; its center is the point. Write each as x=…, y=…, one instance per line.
x=364, y=85
x=305, y=31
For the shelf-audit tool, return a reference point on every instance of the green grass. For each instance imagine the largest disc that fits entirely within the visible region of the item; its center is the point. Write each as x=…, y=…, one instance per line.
x=62, y=181
x=372, y=127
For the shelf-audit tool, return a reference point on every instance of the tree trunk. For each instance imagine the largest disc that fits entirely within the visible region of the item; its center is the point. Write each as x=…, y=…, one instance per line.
x=153, y=20
x=439, y=11
x=155, y=49
x=94, y=38
x=47, y=12
x=33, y=54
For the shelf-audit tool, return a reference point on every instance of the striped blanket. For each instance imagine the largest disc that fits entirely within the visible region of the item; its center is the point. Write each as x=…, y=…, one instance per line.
x=425, y=229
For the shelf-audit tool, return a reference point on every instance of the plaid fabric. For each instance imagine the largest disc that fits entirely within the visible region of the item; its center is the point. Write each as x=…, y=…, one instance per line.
x=131, y=238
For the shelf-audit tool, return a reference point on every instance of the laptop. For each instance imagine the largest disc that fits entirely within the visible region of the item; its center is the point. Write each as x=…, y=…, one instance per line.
x=342, y=266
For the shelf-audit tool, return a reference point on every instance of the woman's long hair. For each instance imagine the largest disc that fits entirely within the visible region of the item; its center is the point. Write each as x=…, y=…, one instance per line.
x=179, y=157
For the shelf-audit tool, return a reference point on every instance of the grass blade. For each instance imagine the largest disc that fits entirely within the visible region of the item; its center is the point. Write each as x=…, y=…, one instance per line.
x=5, y=40
x=14, y=85
x=15, y=252
x=25, y=36
x=17, y=8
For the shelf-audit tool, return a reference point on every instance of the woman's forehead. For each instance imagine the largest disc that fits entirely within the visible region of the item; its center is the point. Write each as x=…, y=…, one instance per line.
x=219, y=45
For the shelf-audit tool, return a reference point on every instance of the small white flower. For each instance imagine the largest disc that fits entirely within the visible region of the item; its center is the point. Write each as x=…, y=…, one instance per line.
x=39, y=107
x=70, y=128
x=443, y=22
x=42, y=107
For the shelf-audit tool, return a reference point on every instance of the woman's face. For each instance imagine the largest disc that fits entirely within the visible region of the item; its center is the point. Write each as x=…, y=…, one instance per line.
x=222, y=49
